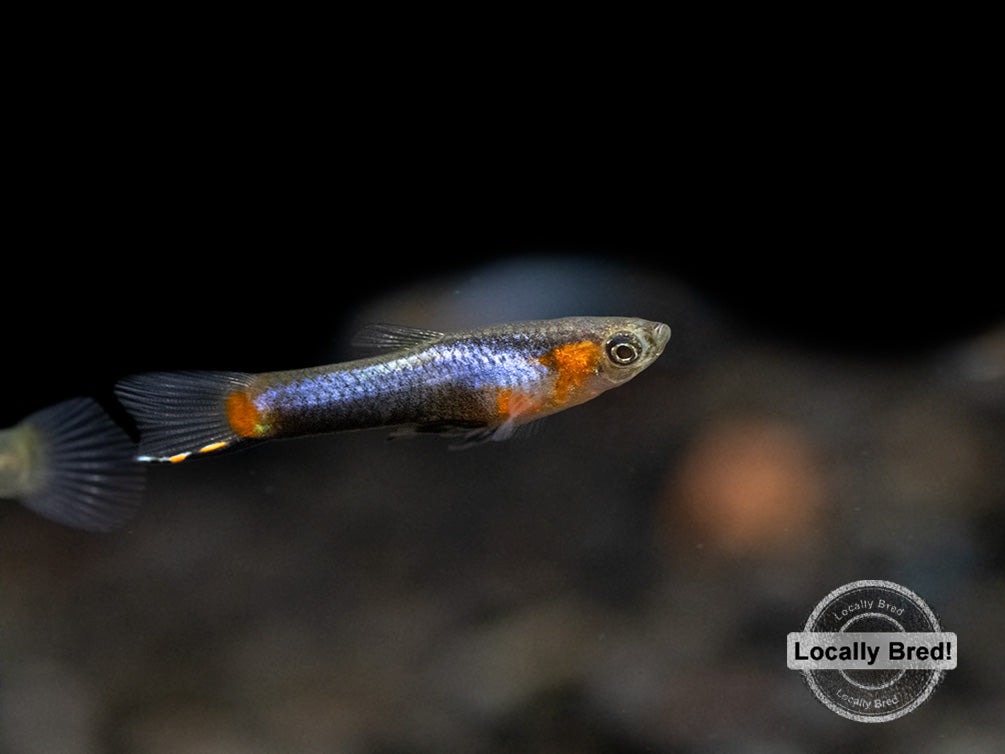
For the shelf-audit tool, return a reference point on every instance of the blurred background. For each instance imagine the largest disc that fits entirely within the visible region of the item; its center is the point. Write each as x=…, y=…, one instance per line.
x=831, y=407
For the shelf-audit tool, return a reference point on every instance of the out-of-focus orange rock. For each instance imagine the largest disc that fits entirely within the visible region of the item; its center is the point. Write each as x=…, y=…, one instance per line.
x=746, y=487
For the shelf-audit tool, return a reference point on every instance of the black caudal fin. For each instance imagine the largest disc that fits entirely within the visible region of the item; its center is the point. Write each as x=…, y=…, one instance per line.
x=87, y=476
x=180, y=414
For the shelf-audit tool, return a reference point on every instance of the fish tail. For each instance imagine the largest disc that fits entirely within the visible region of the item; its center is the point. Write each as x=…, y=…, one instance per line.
x=87, y=475
x=180, y=414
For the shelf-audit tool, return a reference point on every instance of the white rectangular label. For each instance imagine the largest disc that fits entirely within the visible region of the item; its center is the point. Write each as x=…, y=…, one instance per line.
x=824, y=650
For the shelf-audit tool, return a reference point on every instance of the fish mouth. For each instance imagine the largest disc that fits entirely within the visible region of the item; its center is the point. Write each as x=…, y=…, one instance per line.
x=661, y=336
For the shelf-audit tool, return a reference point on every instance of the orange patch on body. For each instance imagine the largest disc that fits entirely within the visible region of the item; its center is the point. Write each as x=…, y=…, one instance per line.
x=572, y=364
x=243, y=415
x=575, y=363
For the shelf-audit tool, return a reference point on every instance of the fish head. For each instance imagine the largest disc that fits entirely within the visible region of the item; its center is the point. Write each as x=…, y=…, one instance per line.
x=595, y=354
x=627, y=346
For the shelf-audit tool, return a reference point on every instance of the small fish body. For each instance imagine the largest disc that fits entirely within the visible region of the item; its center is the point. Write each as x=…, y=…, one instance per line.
x=72, y=464
x=481, y=384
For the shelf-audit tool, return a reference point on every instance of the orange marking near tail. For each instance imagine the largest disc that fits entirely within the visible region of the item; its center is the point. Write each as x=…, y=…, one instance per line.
x=575, y=363
x=243, y=415
x=213, y=446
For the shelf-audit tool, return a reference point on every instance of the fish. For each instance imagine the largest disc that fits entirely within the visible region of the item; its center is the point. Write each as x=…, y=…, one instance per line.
x=476, y=385
x=73, y=464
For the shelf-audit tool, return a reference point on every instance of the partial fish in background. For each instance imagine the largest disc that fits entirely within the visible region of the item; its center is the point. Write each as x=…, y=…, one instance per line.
x=479, y=384
x=72, y=464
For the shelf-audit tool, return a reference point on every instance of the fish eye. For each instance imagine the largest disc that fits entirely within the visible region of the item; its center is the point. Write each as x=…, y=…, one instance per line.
x=623, y=349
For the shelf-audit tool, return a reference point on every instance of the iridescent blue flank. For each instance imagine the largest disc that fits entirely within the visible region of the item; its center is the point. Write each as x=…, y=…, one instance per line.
x=473, y=367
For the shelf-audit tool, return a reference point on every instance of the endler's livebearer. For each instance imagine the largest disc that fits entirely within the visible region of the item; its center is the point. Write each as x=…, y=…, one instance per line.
x=479, y=384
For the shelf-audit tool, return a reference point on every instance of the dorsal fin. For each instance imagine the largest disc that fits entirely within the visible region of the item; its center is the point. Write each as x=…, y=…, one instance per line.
x=381, y=337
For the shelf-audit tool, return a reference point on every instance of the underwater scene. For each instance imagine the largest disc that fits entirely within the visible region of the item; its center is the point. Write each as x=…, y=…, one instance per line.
x=620, y=576
x=363, y=395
